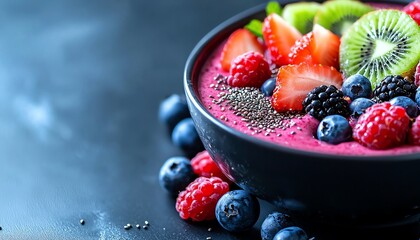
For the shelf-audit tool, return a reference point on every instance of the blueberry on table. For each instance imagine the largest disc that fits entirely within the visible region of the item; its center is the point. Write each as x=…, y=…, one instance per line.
x=185, y=137
x=408, y=104
x=175, y=174
x=334, y=129
x=291, y=233
x=357, y=86
x=359, y=105
x=172, y=110
x=237, y=211
x=268, y=87
x=273, y=223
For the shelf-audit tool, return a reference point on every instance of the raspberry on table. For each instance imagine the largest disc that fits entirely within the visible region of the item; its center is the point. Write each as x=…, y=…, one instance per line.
x=382, y=126
x=249, y=70
x=198, y=201
x=204, y=166
x=414, y=134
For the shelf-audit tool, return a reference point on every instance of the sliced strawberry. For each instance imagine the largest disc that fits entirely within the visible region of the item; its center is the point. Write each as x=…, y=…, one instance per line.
x=239, y=42
x=320, y=46
x=326, y=47
x=279, y=36
x=294, y=82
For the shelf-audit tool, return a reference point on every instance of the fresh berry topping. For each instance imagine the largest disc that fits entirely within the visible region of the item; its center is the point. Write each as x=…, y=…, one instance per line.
x=359, y=106
x=323, y=101
x=417, y=96
x=393, y=86
x=249, y=70
x=237, y=211
x=317, y=47
x=185, y=137
x=382, y=126
x=204, y=166
x=411, y=107
x=357, y=86
x=334, y=129
x=413, y=9
x=268, y=87
x=414, y=134
x=279, y=36
x=417, y=75
x=273, y=223
x=175, y=174
x=239, y=42
x=198, y=201
x=172, y=110
x=294, y=82
x=291, y=233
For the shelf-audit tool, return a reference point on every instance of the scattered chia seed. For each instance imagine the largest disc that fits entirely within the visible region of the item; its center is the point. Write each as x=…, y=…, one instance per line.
x=208, y=238
x=138, y=226
x=128, y=226
x=82, y=222
x=145, y=227
x=293, y=132
x=209, y=229
x=146, y=222
x=164, y=229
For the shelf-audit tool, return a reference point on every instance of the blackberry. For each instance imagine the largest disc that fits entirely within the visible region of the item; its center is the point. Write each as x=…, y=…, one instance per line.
x=323, y=101
x=393, y=86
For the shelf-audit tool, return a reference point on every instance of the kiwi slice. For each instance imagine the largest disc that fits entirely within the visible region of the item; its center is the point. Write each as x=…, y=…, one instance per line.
x=381, y=43
x=338, y=16
x=301, y=15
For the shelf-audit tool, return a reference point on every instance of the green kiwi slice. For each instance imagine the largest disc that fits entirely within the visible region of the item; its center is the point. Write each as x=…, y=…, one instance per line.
x=301, y=15
x=338, y=16
x=381, y=43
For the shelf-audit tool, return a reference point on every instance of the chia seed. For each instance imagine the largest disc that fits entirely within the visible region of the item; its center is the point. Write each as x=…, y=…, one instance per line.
x=138, y=226
x=82, y=222
x=127, y=227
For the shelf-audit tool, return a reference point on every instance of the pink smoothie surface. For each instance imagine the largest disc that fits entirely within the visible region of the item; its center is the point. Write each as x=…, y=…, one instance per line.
x=300, y=131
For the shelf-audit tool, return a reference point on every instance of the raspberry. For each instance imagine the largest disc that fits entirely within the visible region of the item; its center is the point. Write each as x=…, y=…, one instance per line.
x=204, y=166
x=249, y=70
x=198, y=201
x=382, y=126
x=413, y=9
x=414, y=134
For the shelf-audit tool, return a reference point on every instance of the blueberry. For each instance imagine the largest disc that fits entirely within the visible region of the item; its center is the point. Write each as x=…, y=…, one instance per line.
x=410, y=106
x=237, y=210
x=273, y=224
x=418, y=96
x=175, y=174
x=359, y=105
x=268, y=87
x=291, y=233
x=334, y=129
x=185, y=137
x=172, y=110
x=357, y=86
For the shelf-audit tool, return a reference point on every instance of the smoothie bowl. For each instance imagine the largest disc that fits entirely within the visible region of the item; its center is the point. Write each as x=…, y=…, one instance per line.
x=271, y=147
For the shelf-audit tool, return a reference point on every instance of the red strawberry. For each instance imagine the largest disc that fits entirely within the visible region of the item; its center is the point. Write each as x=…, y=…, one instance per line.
x=239, y=42
x=294, y=82
x=413, y=9
x=320, y=46
x=249, y=70
x=279, y=36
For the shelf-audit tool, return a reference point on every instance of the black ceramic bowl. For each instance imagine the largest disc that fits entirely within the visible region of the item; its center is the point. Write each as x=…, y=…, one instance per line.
x=346, y=190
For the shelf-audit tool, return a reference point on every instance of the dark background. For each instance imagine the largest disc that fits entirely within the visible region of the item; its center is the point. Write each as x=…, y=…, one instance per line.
x=80, y=86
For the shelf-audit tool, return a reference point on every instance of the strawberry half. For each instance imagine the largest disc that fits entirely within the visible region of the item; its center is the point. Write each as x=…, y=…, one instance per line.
x=279, y=36
x=320, y=46
x=294, y=82
x=239, y=42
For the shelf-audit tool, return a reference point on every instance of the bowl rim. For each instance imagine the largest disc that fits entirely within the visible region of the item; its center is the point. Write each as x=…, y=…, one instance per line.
x=214, y=37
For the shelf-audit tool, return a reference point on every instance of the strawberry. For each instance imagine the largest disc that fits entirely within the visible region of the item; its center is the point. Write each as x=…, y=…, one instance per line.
x=413, y=9
x=320, y=46
x=294, y=82
x=239, y=42
x=279, y=36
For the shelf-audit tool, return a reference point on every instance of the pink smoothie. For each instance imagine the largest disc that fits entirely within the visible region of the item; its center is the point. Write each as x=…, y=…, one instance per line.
x=296, y=131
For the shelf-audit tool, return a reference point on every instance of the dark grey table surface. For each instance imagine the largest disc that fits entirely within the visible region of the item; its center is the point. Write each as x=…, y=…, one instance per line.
x=80, y=85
